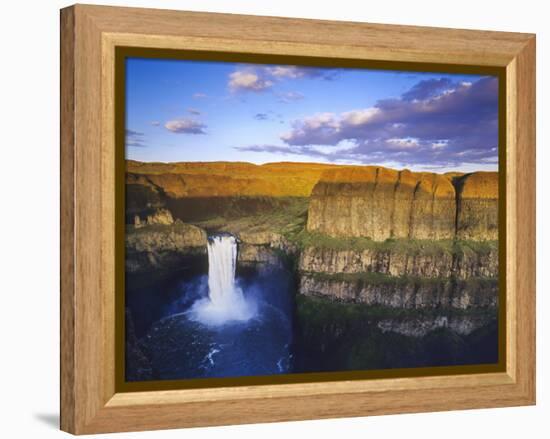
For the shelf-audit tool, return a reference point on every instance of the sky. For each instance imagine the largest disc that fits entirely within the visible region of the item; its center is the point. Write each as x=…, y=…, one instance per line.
x=178, y=110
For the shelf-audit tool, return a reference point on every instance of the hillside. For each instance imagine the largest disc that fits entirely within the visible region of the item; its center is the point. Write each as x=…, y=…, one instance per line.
x=209, y=179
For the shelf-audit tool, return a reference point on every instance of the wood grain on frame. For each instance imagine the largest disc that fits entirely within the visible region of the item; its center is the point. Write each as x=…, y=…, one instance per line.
x=90, y=34
x=67, y=253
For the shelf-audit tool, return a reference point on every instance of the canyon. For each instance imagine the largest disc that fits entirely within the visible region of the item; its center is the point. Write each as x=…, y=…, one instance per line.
x=406, y=253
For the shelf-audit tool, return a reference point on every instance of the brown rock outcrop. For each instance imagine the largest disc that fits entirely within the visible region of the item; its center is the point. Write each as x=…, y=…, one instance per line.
x=419, y=327
x=477, y=202
x=409, y=293
x=159, y=246
x=462, y=263
x=381, y=203
x=177, y=237
x=160, y=216
x=258, y=255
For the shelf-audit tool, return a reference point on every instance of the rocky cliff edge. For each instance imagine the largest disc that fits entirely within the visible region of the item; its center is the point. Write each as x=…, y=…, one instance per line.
x=382, y=203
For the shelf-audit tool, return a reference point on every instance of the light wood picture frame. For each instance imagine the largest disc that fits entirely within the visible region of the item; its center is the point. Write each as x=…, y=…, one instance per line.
x=91, y=398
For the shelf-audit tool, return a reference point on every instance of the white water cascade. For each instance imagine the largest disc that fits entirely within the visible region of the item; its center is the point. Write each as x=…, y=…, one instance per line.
x=225, y=300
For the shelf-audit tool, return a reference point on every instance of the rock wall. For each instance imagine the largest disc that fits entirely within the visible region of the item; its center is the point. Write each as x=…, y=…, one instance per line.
x=176, y=237
x=461, y=263
x=477, y=214
x=420, y=327
x=155, y=248
x=382, y=203
x=402, y=292
x=160, y=216
x=260, y=256
x=264, y=250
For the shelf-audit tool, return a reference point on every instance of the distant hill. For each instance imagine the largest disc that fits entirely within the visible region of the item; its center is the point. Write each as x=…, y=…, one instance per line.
x=344, y=201
x=210, y=179
x=279, y=179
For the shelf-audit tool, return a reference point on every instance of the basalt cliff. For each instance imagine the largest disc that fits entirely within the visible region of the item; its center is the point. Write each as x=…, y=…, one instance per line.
x=381, y=204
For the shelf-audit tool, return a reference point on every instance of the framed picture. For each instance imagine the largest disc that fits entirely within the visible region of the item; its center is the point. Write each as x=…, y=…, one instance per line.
x=268, y=219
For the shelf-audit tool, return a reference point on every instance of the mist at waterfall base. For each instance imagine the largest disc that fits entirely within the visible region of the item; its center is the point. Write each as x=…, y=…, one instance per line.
x=221, y=324
x=226, y=302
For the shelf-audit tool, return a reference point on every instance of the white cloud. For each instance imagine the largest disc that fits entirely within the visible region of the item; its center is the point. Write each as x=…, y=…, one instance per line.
x=248, y=80
x=342, y=146
x=185, y=126
x=254, y=78
x=403, y=143
x=359, y=117
x=321, y=119
x=292, y=72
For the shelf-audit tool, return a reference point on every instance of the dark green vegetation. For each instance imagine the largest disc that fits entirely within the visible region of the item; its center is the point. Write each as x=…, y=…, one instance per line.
x=385, y=279
x=286, y=215
x=337, y=336
x=409, y=246
x=317, y=309
x=283, y=215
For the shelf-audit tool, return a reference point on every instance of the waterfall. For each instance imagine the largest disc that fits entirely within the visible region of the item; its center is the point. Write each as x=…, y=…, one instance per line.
x=222, y=263
x=225, y=301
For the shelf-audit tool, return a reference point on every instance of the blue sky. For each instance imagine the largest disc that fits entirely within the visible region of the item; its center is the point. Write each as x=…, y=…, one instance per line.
x=210, y=111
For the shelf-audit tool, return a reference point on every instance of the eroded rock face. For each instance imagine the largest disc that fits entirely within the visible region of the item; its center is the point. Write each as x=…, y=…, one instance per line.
x=177, y=237
x=478, y=206
x=260, y=238
x=162, y=246
x=404, y=293
x=433, y=209
x=381, y=203
x=262, y=255
x=419, y=327
x=263, y=250
x=161, y=216
x=398, y=262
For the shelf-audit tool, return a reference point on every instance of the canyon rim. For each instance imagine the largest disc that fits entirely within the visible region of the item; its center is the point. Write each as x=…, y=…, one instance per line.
x=285, y=219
